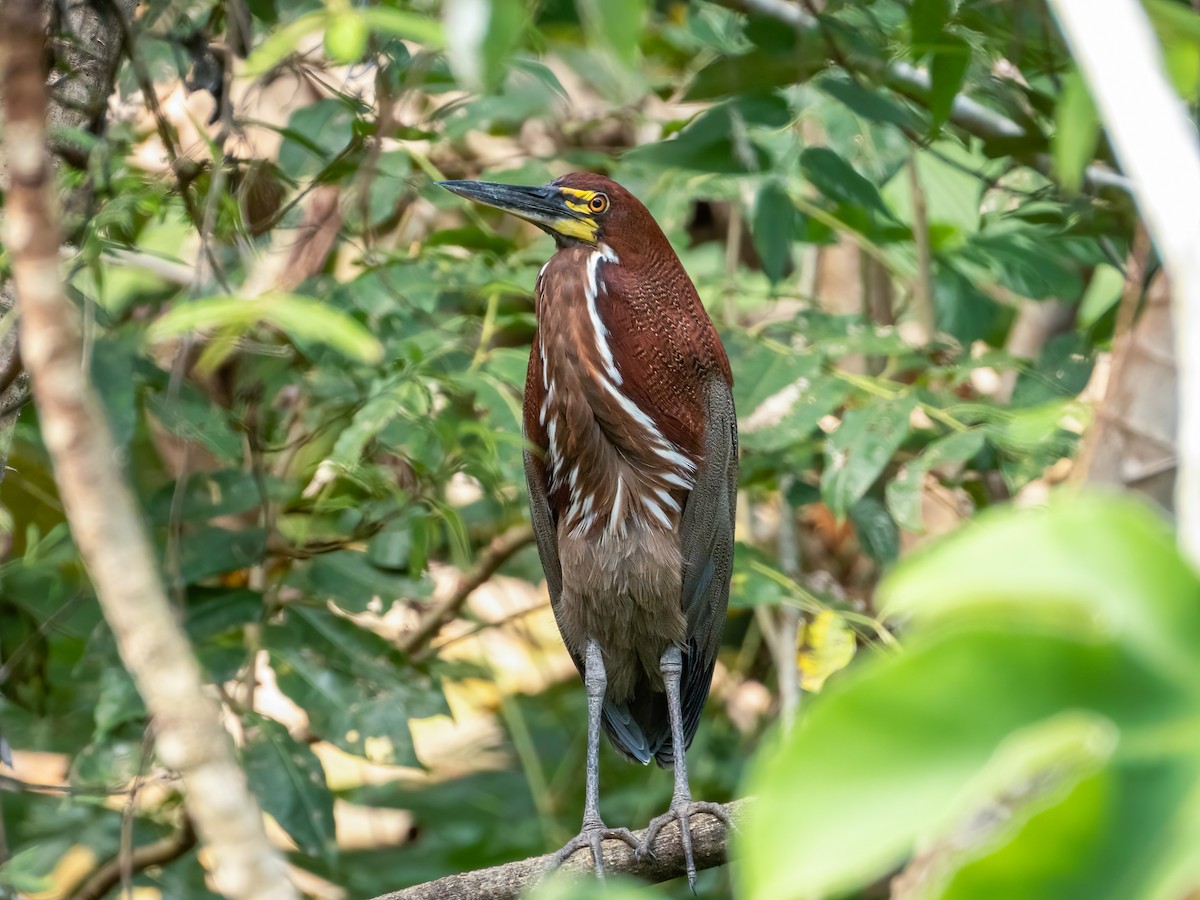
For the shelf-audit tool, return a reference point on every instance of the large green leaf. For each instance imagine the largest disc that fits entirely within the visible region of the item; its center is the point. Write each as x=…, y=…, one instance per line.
x=903, y=750
x=1129, y=583
x=1051, y=671
x=290, y=784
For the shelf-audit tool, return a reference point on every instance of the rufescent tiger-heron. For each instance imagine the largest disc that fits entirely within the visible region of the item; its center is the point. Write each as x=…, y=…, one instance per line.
x=631, y=463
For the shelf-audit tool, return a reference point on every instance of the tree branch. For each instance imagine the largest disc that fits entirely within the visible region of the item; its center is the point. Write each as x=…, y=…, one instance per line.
x=104, y=518
x=497, y=553
x=158, y=853
x=913, y=83
x=709, y=844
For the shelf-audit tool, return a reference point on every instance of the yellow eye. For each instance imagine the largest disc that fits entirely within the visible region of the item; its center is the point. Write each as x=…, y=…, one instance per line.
x=598, y=203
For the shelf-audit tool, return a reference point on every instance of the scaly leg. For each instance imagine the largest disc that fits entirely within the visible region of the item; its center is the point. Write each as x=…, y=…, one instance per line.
x=682, y=805
x=594, y=831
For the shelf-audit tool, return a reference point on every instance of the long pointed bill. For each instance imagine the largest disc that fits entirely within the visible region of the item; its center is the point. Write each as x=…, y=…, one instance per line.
x=544, y=206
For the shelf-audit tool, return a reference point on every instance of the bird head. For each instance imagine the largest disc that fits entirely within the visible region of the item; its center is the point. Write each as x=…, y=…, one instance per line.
x=579, y=208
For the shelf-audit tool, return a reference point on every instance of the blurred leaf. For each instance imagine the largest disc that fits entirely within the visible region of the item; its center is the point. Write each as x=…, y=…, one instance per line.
x=860, y=448
x=904, y=492
x=926, y=19
x=346, y=35
x=314, y=135
x=282, y=43
x=188, y=416
x=349, y=579
x=410, y=26
x=827, y=646
x=616, y=23
x=873, y=105
x=772, y=229
x=359, y=691
x=837, y=180
x=946, y=72
x=1017, y=683
x=302, y=319
x=1103, y=292
x=876, y=530
x=481, y=35
x=290, y=784
x=1128, y=581
x=209, y=551
x=1076, y=133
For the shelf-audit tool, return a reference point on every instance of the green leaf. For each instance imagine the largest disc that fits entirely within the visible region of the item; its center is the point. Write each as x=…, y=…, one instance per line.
x=946, y=72
x=348, y=578
x=314, y=135
x=873, y=105
x=1127, y=580
x=359, y=692
x=209, y=551
x=904, y=491
x=927, y=19
x=282, y=43
x=1103, y=292
x=903, y=749
x=857, y=452
x=187, y=415
x=302, y=319
x=617, y=24
x=1107, y=839
x=478, y=55
x=346, y=35
x=837, y=180
x=410, y=26
x=774, y=217
x=290, y=784
x=1076, y=133
x=877, y=532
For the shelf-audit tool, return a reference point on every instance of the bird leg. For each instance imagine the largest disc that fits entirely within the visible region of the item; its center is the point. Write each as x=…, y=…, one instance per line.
x=594, y=831
x=683, y=807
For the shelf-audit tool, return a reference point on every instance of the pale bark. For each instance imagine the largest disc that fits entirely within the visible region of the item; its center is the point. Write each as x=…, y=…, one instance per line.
x=1157, y=147
x=105, y=520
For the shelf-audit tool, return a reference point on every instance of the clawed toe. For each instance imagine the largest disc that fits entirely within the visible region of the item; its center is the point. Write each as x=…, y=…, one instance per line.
x=592, y=838
x=682, y=813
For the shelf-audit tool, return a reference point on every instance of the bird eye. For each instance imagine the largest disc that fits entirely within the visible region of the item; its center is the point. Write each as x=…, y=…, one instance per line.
x=598, y=203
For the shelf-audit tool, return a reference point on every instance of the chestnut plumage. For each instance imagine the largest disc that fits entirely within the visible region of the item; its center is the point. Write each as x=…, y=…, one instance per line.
x=632, y=473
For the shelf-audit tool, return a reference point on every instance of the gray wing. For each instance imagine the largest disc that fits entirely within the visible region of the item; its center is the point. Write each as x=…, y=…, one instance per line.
x=706, y=532
x=546, y=533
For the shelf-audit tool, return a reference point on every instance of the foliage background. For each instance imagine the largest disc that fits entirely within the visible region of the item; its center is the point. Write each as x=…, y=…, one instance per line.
x=312, y=358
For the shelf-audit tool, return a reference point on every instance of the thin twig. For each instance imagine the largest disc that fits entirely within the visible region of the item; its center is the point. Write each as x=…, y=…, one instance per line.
x=158, y=853
x=497, y=553
x=506, y=882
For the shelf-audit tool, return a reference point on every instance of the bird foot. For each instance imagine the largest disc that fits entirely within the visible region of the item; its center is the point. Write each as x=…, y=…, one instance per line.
x=592, y=836
x=681, y=811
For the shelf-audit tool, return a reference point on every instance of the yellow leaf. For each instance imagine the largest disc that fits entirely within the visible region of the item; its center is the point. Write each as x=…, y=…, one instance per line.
x=826, y=645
